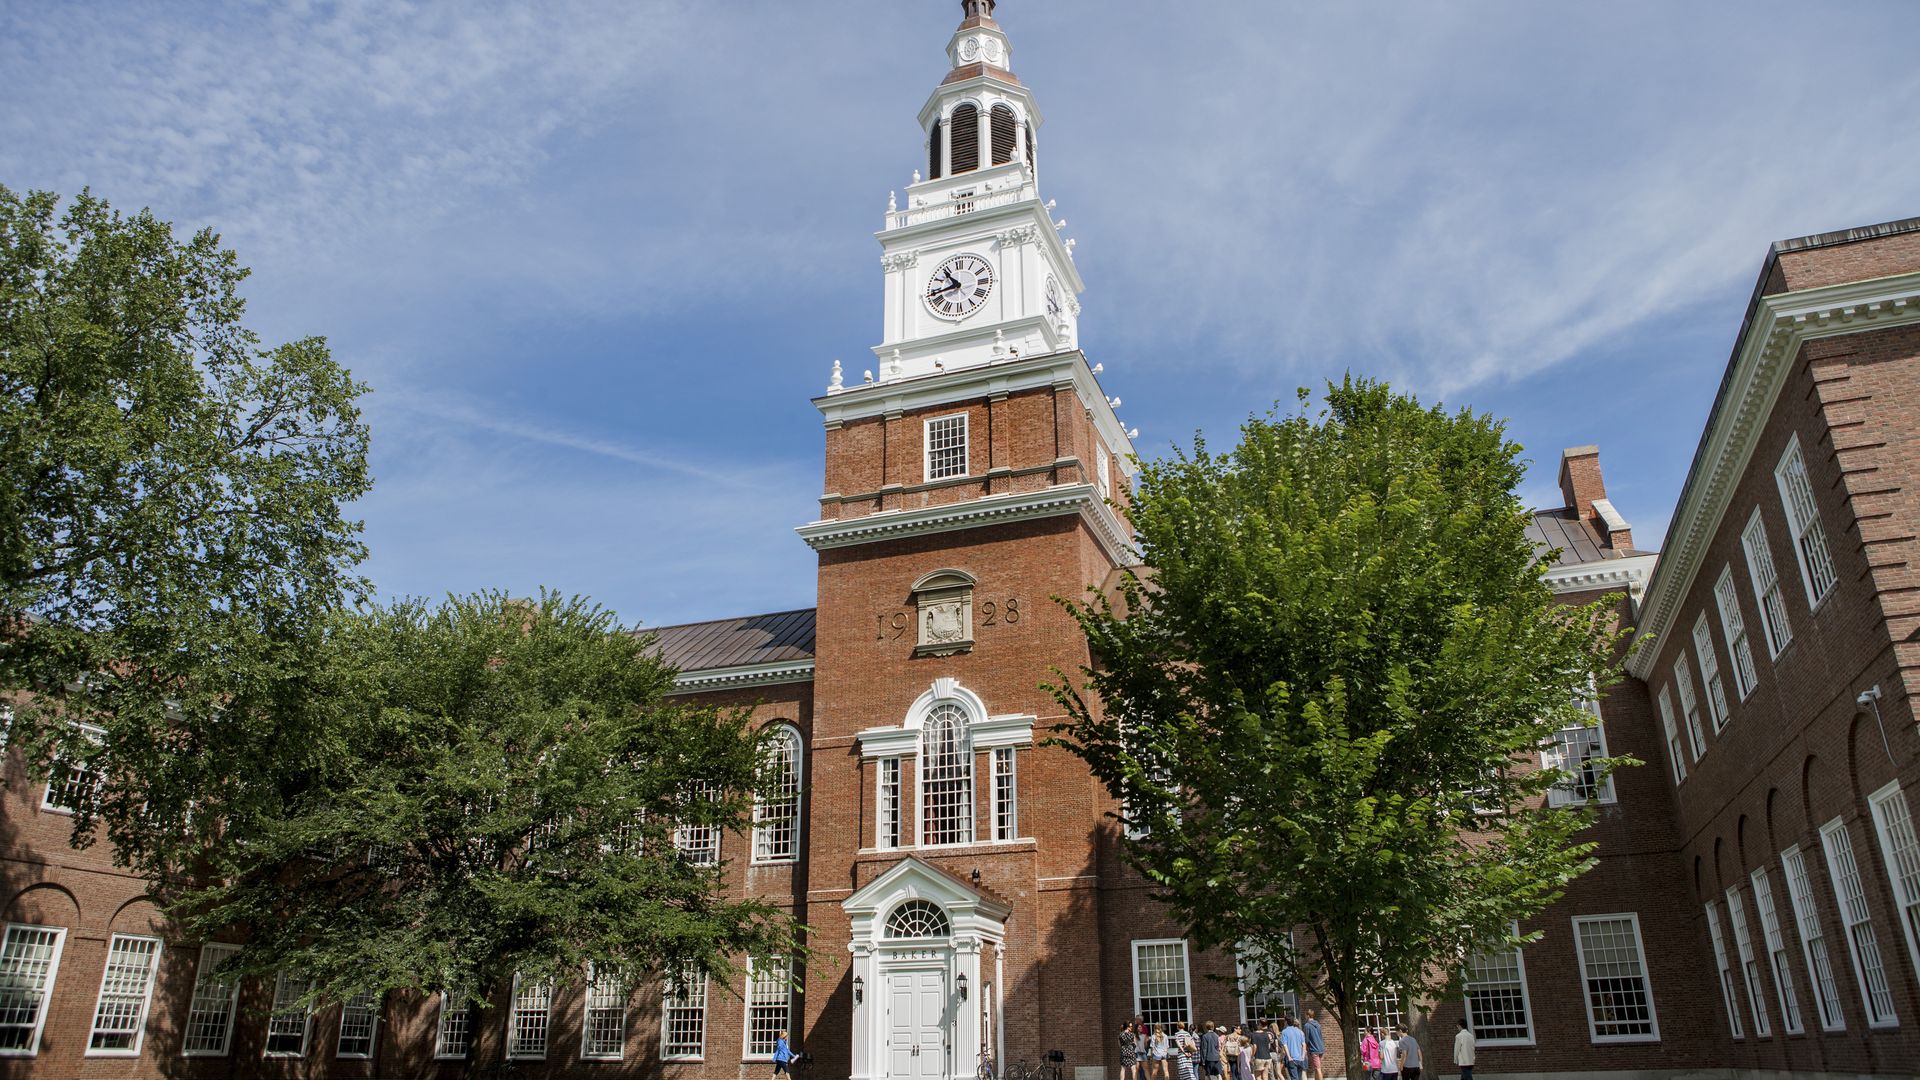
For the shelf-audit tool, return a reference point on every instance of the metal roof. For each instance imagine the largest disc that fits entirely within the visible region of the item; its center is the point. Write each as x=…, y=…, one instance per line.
x=737, y=642
x=1578, y=541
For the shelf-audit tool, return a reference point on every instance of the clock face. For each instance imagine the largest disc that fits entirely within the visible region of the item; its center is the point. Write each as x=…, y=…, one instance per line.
x=959, y=286
x=1054, y=306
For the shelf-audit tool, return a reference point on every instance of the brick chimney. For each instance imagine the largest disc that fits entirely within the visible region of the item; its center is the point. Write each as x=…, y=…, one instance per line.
x=1586, y=495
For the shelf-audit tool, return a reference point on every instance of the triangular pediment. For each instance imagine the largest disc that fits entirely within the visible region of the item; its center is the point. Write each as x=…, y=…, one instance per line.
x=913, y=878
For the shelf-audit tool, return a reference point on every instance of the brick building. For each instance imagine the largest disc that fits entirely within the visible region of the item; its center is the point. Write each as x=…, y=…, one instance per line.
x=1757, y=902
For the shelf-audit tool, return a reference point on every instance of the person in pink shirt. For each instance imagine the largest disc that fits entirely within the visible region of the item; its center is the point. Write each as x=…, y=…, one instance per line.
x=1370, y=1053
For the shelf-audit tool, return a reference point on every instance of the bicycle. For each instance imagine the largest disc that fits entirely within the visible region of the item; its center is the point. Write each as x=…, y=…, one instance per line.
x=986, y=1068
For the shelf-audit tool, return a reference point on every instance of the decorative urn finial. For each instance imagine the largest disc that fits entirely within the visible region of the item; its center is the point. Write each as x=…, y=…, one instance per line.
x=977, y=9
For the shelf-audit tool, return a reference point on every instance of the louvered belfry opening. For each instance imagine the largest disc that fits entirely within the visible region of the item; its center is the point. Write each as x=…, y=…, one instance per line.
x=934, y=157
x=966, y=138
x=1000, y=125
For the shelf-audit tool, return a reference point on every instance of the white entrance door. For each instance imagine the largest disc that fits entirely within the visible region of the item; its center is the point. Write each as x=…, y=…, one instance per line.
x=916, y=1025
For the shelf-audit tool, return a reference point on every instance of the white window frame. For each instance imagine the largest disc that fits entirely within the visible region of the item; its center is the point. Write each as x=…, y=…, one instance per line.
x=594, y=992
x=139, y=942
x=1733, y=627
x=205, y=985
x=1724, y=969
x=1104, y=477
x=668, y=1007
x=440, y=1022
x=1004, y=769
x=766, y=811
x=890, y=805
x=752, y=1001
x=1526, y=999
x=1689, y=705
x=926, y=447
x=1749, y=963
x=1806, y=920
x=1186, y=972
x=290, y=989
x=1900, y=850
x=1646, y=980
x=1849, y=886
x=1710, y=673
x=1768, y=597
x=1565, y=793
x=1674, y=754
x=1808, y=532
x=60, y=766
x=1768, y=913
x=541, y=992
x=46, y=988
x=698, y=844
x=1288, y=1000
x=970, y=830
x=372, y=1007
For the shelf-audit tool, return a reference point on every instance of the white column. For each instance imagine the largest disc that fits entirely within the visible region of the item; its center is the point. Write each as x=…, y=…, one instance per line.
x=966, y=1036
x=999, y=1003
x=863, y=1011
x=946, y=145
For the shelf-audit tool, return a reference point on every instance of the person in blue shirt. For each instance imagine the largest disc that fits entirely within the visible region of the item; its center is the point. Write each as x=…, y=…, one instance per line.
x=782, y=1056
x=1316, y=1045
x=1295, y=1043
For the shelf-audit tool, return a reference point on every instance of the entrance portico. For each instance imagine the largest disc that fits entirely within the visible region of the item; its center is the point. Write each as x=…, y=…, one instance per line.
x=924, y=1008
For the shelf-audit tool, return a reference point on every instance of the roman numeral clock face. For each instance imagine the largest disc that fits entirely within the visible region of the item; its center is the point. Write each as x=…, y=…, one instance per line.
x=959, y=286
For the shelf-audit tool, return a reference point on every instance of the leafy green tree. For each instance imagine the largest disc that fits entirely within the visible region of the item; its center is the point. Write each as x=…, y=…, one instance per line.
x=479, y=789
x=171, y=524
x=1324, y=707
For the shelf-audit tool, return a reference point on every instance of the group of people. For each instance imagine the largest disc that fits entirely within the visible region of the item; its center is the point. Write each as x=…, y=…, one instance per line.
x=1288, y=1049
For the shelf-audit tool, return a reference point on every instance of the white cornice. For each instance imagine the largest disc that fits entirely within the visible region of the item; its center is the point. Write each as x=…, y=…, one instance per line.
x=1630, y=573
x=1763, y=359
x=745, y=675
x=1011, y=376
x=1056, y=501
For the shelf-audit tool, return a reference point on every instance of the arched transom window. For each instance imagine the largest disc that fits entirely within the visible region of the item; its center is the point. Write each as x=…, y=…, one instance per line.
x=776, y=809
x=918, y=919
x=946, y=777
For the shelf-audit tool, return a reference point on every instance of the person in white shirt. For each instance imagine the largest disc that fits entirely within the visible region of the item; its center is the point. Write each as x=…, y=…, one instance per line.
x=1389, y=1055
x=1463, y=1050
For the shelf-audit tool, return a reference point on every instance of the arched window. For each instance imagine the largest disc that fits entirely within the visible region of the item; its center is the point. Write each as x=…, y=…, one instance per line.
x=917, y=919
x=776, y=809
x=966, y=138
x=1000, y=126
x=946, y=777
x=934, y=157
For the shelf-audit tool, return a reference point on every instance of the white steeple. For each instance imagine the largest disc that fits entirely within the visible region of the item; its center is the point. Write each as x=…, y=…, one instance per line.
x=976, y=270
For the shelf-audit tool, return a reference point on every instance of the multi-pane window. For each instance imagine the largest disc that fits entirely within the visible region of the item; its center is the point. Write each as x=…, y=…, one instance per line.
x=1497, y=1005
x=946, y=447
x=1619, y=997
x=769, y=1004
x=1673, y=736
x=1006, y=820
x=126, y=988
x=1689, y=705
x=1382, y=1010
x=291, y=1020
x=29, y=960
x=1105, y=475
x=1893, y=821
x=1733, y=627
x=72, y=784
x=1862, y=943
x=209, y=1030
x=1160, y=986
x=603, y=1031
x=887, y=821
x=1749, y=965
x=1776, y=952
x=1710, y=672
x=683, y=1016
x=1265, y=983
x=1574, y=750
x=946, y=777
x=1803, y=524
x=1766, y=585
x=1813, y=941
x=776, y=813
x=699, y=844
x=1726, y=972
x=918, y=919
x=359, y=1022
x=527, y=1019
x=454, y=1033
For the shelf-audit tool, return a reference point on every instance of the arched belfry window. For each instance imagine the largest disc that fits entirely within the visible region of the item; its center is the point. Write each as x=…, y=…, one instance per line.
x=1000, y=124
x=776, y=809
x=946, y=776
x=918, y=919
x=966, y=138
x=935, y=159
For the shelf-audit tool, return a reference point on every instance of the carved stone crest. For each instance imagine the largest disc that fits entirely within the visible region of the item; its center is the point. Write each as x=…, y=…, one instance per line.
x=943, y=602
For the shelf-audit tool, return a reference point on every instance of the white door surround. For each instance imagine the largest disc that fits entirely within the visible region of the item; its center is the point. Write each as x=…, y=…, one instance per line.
x=910, y=1021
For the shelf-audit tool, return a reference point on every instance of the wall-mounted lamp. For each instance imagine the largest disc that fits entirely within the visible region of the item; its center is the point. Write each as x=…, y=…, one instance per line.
x=859, y=989
x=976, y=875
x=962, y=984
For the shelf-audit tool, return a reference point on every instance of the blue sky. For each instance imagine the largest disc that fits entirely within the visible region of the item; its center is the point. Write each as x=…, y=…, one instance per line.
x=595, y=258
